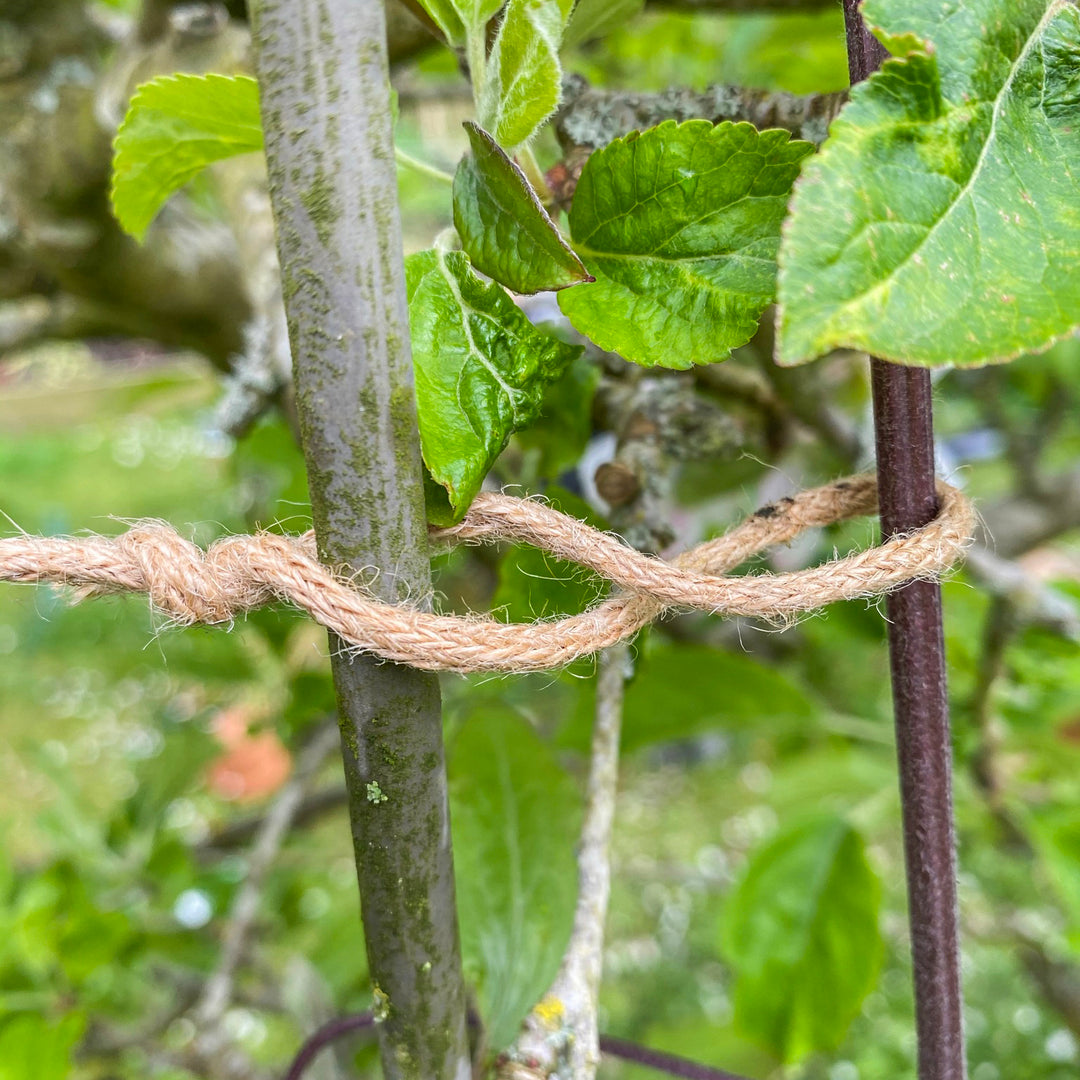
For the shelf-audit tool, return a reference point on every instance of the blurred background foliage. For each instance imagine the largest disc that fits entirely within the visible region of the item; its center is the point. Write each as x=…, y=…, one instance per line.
x=758, y=918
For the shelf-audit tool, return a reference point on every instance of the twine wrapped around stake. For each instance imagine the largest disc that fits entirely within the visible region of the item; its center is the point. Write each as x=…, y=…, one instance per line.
x=239, y=573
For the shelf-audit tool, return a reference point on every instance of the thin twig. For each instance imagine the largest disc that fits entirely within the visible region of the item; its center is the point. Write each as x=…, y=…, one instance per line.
x=322, y=1037
x=1035, y=603
x=561, y=1035
x=1001, y=624
x=671, y=1064
x=218, y=990
x=1027, y=519
x=237, y=833
x=1057, y=980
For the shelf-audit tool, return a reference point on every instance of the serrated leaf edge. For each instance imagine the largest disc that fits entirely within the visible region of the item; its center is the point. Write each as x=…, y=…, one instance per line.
x=586, y=278
x=138, y=99
x=837, y=342
x=611, y=343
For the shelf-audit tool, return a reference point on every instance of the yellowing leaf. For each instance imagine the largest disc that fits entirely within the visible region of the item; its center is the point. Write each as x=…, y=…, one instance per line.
x=941, y=221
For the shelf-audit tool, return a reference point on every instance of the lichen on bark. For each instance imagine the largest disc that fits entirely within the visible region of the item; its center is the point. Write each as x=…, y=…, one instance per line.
x=326, y=111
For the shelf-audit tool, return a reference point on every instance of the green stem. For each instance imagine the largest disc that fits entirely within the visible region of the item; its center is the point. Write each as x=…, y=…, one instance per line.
x=476, y=58
x=533, y=173
x=422, y=167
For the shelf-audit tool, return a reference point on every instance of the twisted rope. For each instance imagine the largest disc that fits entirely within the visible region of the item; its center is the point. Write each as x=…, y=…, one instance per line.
x=239, y=573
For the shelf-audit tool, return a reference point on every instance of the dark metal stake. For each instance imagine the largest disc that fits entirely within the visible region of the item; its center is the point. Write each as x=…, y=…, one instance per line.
x=903, y=419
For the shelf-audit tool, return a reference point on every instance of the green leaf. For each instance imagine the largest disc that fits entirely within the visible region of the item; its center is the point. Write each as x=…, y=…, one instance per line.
x=166, y=777
x=504, y=228
x=524, y=79
x=1055, y=834
x=941, y=222
x=685, y=690
x=175, y=126
x=680, y=225
x=481, y=368
x=593, y=18
x=58, y=926
x=801, y=932
x=516, y=815
x=33, y=1049
x=680, y=692
x=475, y=13
x=448, y=17
x=535, y=585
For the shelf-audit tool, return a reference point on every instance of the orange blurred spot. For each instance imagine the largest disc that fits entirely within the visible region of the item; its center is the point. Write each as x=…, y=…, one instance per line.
x=1070, y=731
x=253, y=765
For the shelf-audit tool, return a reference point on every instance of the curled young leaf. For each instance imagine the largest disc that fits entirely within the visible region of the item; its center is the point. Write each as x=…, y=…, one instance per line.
x=481, y=368
x=524, y=78
x=504, y=228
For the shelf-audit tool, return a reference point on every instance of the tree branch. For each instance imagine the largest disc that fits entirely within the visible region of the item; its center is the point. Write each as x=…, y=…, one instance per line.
x=330, y=1032
x=34, y=318
x=272, y=830
x=660, y=420
x=326, y=113
x=241, y=831
x=590, y=118
x=653, y=415
x=1034, y=602
x=560, y=1037
x=152, y=20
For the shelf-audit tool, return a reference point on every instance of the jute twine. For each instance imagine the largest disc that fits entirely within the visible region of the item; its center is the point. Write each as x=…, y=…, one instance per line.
x=239, y=573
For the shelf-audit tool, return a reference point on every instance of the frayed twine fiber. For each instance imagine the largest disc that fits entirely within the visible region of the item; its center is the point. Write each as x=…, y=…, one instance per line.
x=239, y=573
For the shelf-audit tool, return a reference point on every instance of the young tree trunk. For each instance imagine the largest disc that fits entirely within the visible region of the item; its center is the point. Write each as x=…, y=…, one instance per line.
x=326, y=110
x=904, y=429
